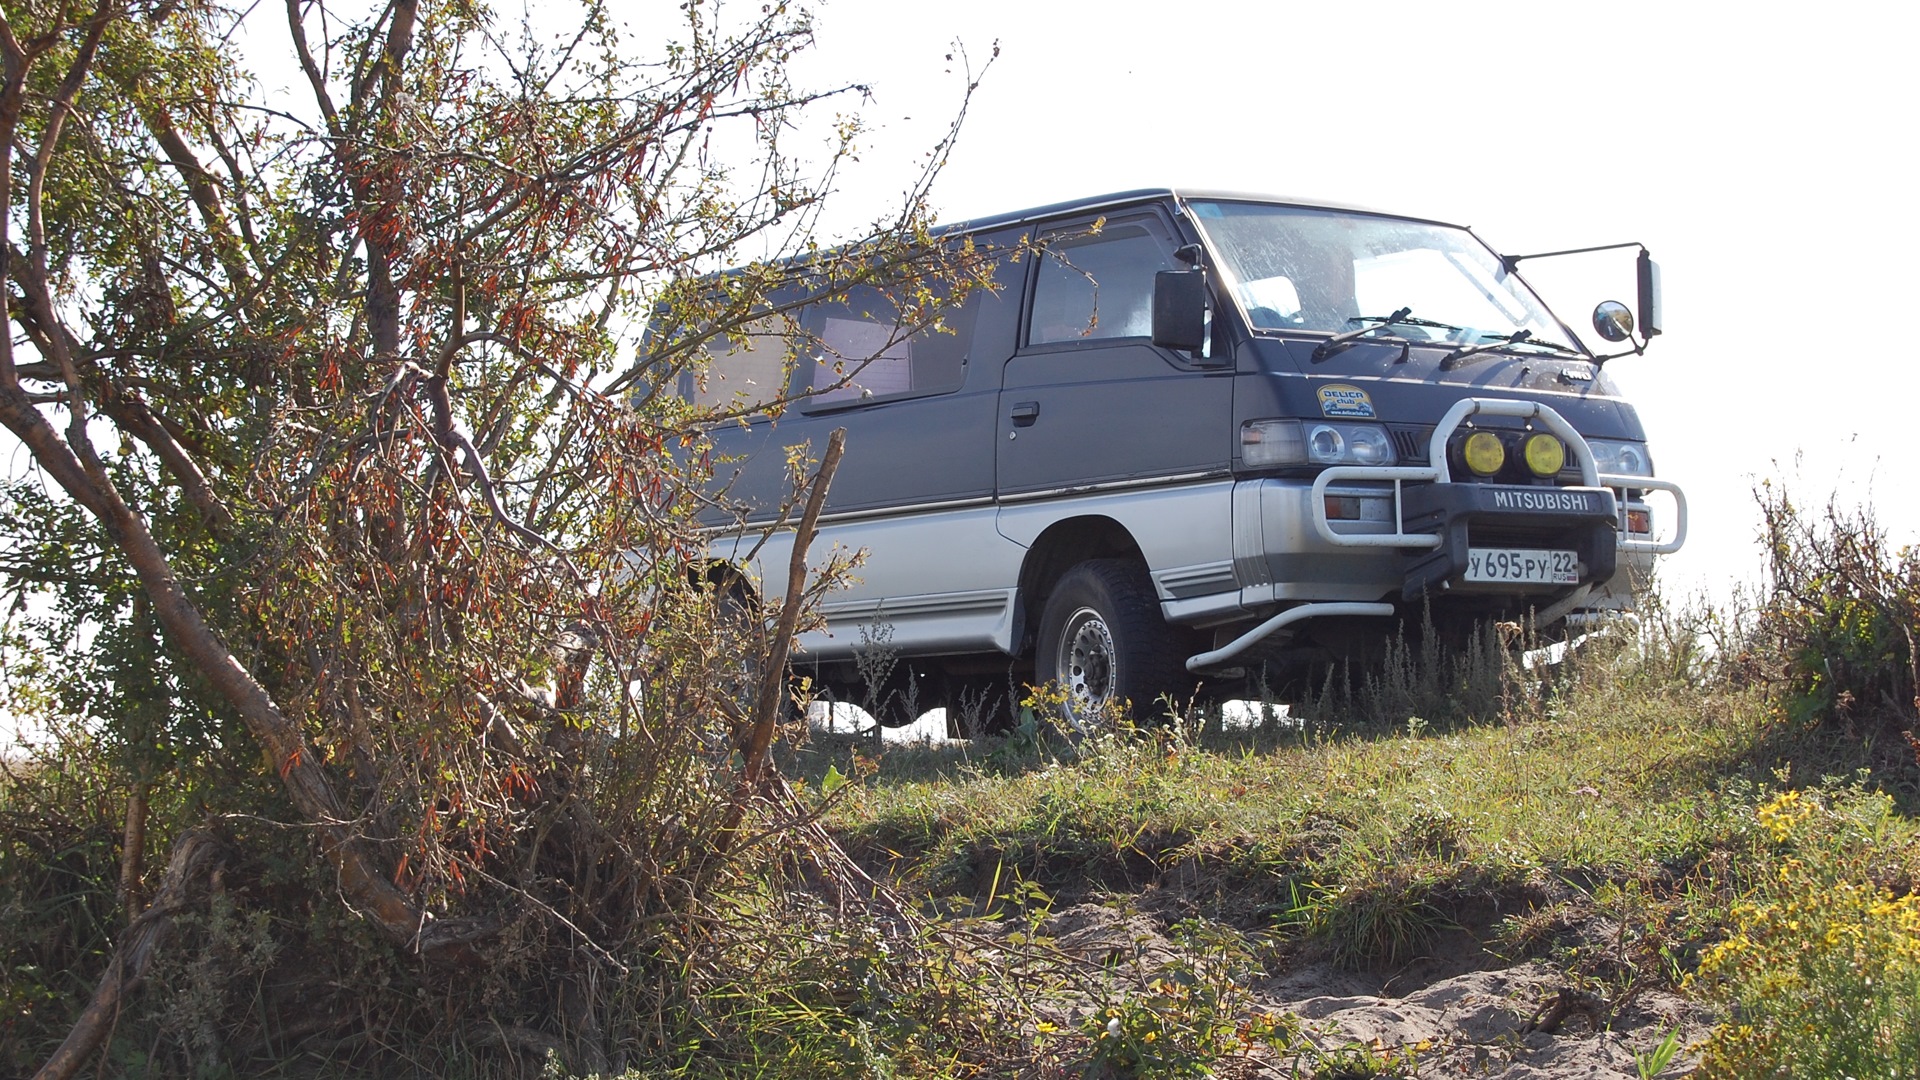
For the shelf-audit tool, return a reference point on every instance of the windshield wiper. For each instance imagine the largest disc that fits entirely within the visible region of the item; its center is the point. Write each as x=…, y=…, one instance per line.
x=1327, y=347
x=1543, y=343
x=1412, y=321
x=1504, y=341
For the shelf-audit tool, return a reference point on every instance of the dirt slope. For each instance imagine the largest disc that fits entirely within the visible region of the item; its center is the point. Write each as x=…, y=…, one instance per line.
x=1464, y=1014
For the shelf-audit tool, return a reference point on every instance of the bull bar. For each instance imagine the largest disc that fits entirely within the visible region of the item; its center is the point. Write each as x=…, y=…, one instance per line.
x=1437, y=471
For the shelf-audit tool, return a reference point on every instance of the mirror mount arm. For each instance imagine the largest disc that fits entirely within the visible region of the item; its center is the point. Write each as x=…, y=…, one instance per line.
x=1639, y=349
x=1647, y=277
x=1509, y=262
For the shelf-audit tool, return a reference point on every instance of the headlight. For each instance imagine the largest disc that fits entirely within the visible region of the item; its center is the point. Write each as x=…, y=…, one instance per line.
x=1621, y=458
x=1349, y=444
x=1544, y=454
x=1265, y=443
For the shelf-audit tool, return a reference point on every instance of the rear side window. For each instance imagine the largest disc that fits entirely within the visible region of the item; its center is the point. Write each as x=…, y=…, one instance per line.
x=745, y=373
x=1098, y=286
x=862, y=347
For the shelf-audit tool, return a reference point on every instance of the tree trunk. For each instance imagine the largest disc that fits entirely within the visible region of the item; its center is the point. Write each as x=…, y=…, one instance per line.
x=129, y=964
x=773, y=677
x=133, y=847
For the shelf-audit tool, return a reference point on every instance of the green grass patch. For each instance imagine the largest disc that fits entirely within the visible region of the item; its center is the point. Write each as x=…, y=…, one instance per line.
x=1604, y=786
x=1638, y=820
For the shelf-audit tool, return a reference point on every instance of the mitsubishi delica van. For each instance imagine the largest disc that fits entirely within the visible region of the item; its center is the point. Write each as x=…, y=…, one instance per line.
x=1189, y=441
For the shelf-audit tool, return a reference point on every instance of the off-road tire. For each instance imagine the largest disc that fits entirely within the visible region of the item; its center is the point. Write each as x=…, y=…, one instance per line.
x=1102, y=638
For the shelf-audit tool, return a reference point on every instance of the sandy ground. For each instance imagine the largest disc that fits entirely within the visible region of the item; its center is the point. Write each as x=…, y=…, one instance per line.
x=1519, y=1022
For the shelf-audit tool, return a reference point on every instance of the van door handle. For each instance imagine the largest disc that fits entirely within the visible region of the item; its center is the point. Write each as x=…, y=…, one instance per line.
x=1025, y=413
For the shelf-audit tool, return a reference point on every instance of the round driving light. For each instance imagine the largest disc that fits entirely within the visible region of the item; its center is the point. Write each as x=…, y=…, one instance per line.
x=1484, y=453
x=1545, y=455
x=1325, y=444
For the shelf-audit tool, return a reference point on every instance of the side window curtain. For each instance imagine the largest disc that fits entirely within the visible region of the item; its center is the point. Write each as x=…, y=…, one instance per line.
x=862, y=347
x=1098, y=286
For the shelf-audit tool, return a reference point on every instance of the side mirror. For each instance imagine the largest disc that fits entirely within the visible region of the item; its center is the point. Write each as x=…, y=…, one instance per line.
x=1649, y=281
x=1612, y=320
x=1182, y=310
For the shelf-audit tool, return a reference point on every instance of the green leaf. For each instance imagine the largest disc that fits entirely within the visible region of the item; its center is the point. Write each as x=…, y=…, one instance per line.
x=833, y=781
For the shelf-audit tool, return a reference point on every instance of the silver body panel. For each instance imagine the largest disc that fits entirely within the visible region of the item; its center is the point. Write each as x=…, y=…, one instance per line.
x=1184, y=532
x=1285, y=559
x=939, y=581
x=945, y=581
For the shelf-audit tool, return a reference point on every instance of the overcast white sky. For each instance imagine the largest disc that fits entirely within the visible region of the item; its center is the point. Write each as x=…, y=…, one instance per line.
x=1762, y=151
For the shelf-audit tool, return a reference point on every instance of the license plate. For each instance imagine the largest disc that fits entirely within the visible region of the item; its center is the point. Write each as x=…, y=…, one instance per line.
x=1523, y=566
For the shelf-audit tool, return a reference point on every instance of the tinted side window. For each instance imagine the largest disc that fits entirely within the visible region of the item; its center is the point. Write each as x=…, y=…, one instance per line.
x=862, y=347
x=743, y=375
x=1097, y=286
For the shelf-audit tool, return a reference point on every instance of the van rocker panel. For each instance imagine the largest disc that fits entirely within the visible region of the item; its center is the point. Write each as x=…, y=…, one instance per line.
x=927, y=624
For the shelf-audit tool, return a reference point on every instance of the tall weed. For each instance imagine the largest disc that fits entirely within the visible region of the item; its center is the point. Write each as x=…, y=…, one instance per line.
x=1843, y=606
x=1419, y=675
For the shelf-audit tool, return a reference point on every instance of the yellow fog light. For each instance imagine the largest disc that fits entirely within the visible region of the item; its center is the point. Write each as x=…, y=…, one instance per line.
x=1545, y=455
x=1483, y=453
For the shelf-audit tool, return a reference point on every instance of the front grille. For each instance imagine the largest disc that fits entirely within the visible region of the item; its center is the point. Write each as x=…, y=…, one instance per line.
x=1411, y=443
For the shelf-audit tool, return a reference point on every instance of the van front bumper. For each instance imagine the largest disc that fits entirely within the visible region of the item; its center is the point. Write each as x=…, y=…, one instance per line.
x=1442, y=521
x=1294, y=563
x=1488, y=516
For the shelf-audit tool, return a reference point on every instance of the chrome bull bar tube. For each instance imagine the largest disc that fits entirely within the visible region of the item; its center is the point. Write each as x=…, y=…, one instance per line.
x=1437, y=471
x=1650, y=547
x=1525, y=410
x=1286, y=618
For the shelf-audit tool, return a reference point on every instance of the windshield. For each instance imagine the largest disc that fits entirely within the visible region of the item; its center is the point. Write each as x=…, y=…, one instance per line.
x=1327, y=270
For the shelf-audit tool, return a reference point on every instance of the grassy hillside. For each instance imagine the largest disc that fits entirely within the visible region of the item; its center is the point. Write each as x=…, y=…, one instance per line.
x=1640, y=823
x=1691, y=846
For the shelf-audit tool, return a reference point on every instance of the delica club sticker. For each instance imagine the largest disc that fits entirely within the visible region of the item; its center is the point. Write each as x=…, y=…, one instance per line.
x=1345, y=402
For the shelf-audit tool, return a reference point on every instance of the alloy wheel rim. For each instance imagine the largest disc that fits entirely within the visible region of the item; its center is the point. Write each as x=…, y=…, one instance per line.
x=1086, y=664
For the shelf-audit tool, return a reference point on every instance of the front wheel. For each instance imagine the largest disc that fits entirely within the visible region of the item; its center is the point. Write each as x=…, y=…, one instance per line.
x=1103, y=642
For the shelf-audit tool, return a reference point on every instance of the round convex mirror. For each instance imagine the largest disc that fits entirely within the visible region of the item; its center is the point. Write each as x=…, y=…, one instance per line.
x=1613, y=321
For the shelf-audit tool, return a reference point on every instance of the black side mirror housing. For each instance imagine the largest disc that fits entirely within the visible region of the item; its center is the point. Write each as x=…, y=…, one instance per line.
x=1649, y=282
x=1182, y=306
